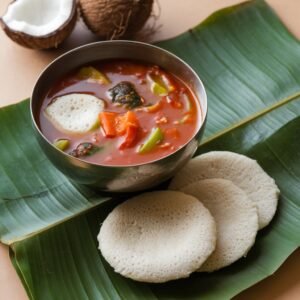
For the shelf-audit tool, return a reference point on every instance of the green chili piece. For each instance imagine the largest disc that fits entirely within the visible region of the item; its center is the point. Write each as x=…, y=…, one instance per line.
x=92, y=74
x=160, y=84
x=154, y=138
x=62, y=144
x=158, y=89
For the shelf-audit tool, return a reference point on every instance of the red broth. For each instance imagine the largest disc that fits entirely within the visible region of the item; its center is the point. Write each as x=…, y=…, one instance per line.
x=178, y=114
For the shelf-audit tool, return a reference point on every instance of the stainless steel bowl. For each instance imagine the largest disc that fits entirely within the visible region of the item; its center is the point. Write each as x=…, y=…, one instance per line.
x=118, y=178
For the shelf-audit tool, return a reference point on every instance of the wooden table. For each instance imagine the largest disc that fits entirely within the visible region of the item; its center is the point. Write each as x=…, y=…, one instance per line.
x=20, y=67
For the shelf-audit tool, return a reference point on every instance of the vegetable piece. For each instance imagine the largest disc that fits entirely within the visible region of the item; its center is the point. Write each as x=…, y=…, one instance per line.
x=62, y=144
x=161, y=84
x=130, y=137
x=125, y=121
x=158, y=89
x=125, y=94
x=168, y=82
x=93, y=75
x=84, y=149
x=127, y=124
x=118, y=125
x=154, y=138
x=108, y=123
x=154, y=108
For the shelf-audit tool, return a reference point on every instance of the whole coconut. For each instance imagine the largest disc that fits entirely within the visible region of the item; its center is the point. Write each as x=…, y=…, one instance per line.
x=115, y=19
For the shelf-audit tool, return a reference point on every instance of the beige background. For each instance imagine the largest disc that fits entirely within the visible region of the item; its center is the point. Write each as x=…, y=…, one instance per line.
x=20, y=68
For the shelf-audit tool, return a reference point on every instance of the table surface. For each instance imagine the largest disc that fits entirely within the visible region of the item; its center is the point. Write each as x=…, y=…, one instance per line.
x=20, y=68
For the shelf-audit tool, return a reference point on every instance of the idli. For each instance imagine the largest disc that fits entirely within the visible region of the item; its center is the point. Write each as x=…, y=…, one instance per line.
x=158, y=236
x=75, y=113
x=235, y=216
x=244, y=172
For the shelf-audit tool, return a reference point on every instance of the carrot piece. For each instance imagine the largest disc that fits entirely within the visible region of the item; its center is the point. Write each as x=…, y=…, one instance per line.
x=130, y=136
x=129, y=125
x=108, y=122
x=131, y=119
x=114, y=125
x=124, y=121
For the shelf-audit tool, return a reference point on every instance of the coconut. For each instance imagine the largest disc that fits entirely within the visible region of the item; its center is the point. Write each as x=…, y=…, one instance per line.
x=39, y=24
x=115, y=19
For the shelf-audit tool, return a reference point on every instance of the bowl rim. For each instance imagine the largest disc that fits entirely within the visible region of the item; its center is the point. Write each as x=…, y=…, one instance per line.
x=202, y=110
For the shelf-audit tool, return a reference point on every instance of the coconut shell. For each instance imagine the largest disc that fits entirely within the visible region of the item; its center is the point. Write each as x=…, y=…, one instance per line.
x=51, y=40
x=115, y=19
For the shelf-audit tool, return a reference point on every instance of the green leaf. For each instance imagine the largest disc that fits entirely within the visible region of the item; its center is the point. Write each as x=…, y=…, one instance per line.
x=33, y=194
x=246, y=59
x=248, y=63
x=70, y=250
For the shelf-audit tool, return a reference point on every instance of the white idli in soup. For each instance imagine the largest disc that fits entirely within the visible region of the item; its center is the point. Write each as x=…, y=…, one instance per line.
x=244, y=172
x=158, y=236
x=235, y=216
x=75, y=113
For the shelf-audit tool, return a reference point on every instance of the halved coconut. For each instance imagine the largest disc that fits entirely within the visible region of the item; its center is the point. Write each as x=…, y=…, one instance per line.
x=75, y=113
x=115, y=19
x=39, y=24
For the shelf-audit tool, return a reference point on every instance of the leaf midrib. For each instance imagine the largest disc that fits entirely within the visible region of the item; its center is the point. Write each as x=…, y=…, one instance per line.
x=251, y=118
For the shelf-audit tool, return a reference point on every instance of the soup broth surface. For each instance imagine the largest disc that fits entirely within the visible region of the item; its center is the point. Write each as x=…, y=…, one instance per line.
x=168, y=106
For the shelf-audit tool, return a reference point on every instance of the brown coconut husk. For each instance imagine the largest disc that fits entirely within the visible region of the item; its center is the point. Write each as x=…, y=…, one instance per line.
x=152, y=27
x=51, y=40
x=115, y=19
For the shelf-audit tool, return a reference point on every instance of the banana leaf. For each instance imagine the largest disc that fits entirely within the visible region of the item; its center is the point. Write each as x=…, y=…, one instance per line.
x=64, y=263
x=248, y=63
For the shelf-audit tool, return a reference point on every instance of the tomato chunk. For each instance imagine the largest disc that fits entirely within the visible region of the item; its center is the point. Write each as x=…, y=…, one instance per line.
x=126, y=120
x=114, y=125
x=130, y=137
x=108, y=123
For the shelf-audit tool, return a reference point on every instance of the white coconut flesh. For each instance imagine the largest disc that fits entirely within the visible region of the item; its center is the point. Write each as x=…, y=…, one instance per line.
x=75, y=113
x=38, y=17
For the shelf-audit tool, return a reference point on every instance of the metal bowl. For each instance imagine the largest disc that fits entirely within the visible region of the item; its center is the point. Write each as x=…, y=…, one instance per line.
x=118, y=178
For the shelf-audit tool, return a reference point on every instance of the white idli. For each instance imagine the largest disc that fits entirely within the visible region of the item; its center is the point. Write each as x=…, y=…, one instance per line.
x=75, y=113
x=158, y=236
x=235, y=216
x=244, y=172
